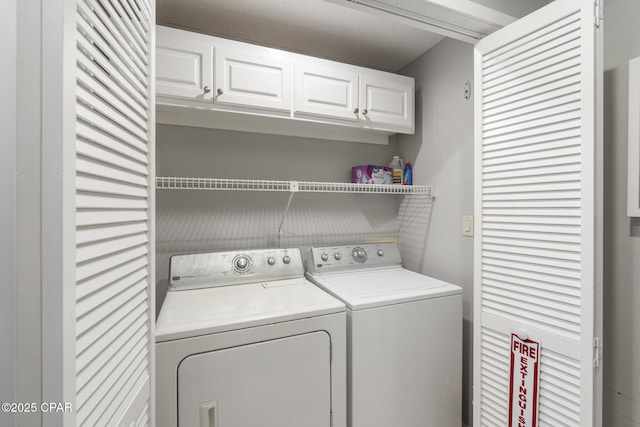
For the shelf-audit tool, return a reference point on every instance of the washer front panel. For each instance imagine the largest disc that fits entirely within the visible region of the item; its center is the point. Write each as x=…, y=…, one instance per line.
x=405, y=364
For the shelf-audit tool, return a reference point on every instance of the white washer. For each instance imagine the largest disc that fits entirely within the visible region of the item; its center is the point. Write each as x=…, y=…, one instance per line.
x=404, y=339
x=243, y=339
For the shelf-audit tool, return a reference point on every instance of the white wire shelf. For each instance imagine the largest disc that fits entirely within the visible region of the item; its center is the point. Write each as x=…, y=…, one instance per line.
x=181, y=183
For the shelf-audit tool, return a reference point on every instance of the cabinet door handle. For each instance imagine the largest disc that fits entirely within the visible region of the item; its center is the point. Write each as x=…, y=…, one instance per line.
x=206, y=89
x=219, y=91
x=356, y=111
x=364, y=112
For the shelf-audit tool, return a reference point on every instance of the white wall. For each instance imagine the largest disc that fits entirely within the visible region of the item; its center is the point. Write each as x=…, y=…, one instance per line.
x=8, y=35
x=621, y=235
x=442, y=153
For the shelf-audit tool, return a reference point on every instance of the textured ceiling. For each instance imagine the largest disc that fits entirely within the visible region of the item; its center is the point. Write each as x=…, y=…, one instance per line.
x=313, y=27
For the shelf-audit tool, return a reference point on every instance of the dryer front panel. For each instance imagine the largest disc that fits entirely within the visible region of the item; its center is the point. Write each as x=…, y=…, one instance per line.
x=284, y=382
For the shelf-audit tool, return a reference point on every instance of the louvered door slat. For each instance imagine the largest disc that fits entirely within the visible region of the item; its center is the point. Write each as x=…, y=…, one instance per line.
x=131, y=26
x=104, y=128
x=93, y=151
x=527, y=60
x=138, y=380
x=514, y=148
x=117, y=174
x=104, y=54
x=107, y=247
x=109, y=127
x=94, y=201
x=114, y=194
x=92, y=350
x=107, y=27
x=129, y=379
x=116, y=45
x=551, y=90
x=94, y=284
x=503, y=51
x=533, y=293
x=535, y=132
x=98, y=403
x=105, y=264
x=535, y=257
x=554, y=65
x=141, y=25
x=136, y=11
x=509, y=157
x=91, y=302
x=112, y=52
x=547, y=112
x=507, y=128
x=97, y=185
x=117, y=88
x=107, y=12
x=88, y=82
x=97, y=61
x=99, y=138
x=538, y=109
x=88, y=235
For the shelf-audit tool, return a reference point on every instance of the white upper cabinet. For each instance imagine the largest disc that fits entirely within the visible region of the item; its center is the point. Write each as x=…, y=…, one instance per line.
x=372, y=98
x=249, y=78
x=387, y=100
x=278, y=92
x=184, y=65
x=326, y=92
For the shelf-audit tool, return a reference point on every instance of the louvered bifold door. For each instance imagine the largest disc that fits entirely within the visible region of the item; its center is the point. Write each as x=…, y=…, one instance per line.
x=537, y=212
x=113, y=200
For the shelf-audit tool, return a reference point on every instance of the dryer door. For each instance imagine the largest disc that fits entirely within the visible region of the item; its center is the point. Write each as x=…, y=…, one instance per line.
x=279, y=383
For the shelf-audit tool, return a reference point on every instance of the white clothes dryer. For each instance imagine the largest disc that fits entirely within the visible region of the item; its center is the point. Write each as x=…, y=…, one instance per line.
x=243, y=339
x=404, y=337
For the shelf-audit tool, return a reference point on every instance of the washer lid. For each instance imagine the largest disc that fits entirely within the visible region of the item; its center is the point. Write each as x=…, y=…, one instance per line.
x=210, y=310
x=378, y=287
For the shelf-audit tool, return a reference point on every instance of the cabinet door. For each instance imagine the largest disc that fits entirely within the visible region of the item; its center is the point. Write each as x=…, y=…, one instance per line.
x=252, y=79
x=183, y=65
x=326, y=92
x=387, y=100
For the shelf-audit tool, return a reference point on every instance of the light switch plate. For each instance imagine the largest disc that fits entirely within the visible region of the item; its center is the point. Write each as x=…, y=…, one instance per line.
x=467, y=225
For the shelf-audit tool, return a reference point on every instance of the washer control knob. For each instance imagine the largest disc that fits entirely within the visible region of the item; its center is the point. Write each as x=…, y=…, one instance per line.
x=359, y=254
x=286, y=259
x=241, y=263
x=380, y=252
x=324, y=257
x=271, y=260
x=337, y=256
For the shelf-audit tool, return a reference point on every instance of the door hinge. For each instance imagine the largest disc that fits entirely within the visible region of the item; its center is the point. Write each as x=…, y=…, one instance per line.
x=596, y=352
x=597, y=13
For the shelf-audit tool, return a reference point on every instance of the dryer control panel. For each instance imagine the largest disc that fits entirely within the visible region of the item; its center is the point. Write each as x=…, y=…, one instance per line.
x=214, y=269
x=331, y=259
